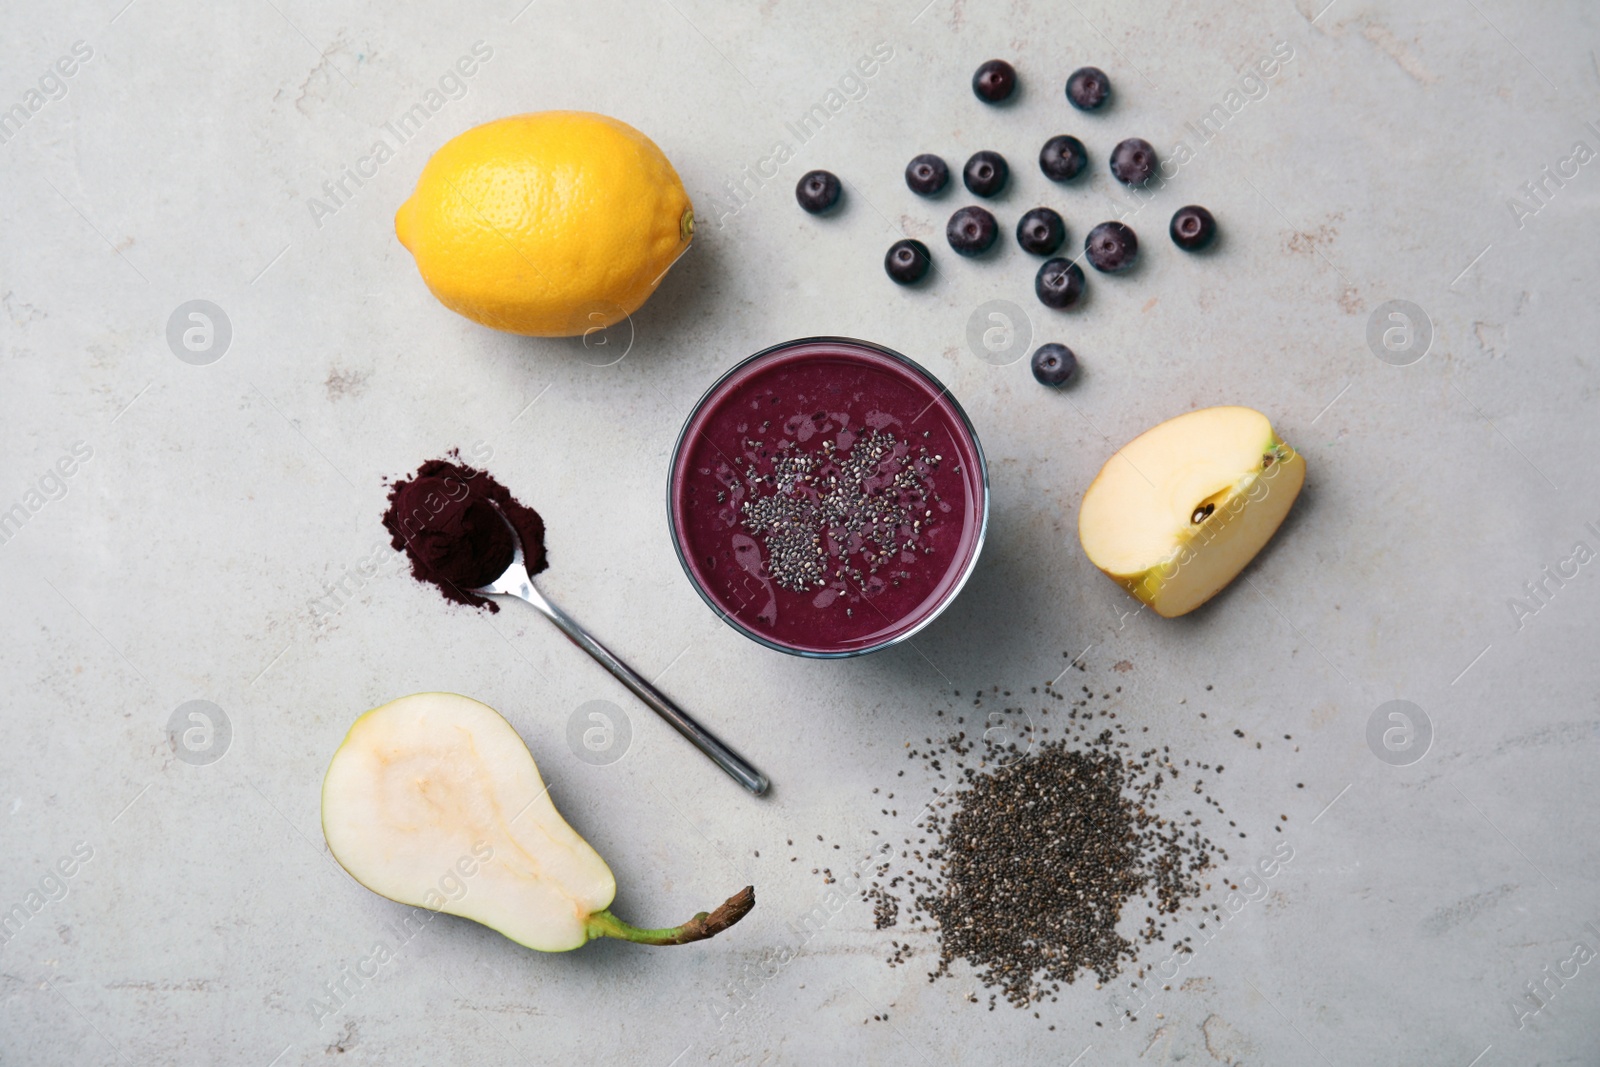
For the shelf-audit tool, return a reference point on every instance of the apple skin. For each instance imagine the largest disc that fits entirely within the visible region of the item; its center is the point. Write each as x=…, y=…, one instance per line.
x=1204, y=559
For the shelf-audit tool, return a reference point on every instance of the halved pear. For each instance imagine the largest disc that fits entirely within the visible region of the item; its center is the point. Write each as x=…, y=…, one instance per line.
x=1178, y=512
x=434, y=801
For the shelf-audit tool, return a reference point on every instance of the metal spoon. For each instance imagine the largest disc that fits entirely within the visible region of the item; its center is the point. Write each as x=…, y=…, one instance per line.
x=516, y=582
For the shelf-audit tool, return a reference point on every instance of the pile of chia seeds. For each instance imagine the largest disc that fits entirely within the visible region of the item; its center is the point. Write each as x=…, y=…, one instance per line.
x=842, y=514
x=1035, y=858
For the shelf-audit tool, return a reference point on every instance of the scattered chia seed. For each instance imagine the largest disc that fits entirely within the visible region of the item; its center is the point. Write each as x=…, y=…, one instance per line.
x=1040, y=860
x=1025, y=869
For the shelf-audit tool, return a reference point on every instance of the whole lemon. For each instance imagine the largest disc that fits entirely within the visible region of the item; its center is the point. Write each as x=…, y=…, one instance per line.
x=550, y=224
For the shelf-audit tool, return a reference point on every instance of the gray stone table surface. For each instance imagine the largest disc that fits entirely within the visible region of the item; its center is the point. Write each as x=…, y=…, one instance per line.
x=217, y=538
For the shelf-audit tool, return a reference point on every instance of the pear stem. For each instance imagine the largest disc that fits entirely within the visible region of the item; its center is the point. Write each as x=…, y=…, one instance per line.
x=702, y=926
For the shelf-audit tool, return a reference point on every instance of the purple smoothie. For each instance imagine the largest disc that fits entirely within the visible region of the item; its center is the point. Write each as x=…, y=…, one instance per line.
x=828, y=497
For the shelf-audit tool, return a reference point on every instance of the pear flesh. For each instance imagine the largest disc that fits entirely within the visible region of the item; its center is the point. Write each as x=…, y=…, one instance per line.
x=1180, y=510
x=434, y=801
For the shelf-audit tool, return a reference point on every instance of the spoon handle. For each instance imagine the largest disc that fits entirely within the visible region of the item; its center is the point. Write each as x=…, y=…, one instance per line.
x=703, y=739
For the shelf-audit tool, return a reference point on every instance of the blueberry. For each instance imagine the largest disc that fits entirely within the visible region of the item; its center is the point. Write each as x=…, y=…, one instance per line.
x=1054, y=364
x=1192, y=228
x=1041, y=231
x=986, y=173
x=1111, y=247
x=927, y=175
x=1133, y=162
x=1088, y=88
x=818, y=191
x=971, y=231
x=995, y=81
x=1059, y=283
x=907, y=261
x=1063, y=158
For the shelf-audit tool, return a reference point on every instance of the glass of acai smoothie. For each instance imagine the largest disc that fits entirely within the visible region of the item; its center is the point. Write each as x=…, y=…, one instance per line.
x=828, y=497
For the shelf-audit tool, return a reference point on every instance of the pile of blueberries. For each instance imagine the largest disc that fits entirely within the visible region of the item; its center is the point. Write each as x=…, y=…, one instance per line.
x=1110, y=247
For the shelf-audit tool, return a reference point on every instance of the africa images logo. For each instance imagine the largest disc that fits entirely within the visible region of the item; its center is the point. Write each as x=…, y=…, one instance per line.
x=399, y=131
x=1539, y=592
x=51, y=86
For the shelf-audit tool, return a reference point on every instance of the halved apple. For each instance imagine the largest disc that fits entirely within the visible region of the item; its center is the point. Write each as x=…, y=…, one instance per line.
x=1178, y=512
